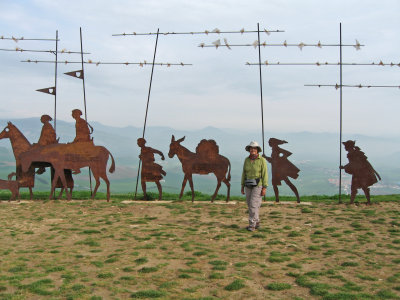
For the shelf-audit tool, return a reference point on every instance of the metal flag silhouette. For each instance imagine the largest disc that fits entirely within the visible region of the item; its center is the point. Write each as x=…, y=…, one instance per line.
x=363, y=174
x=151, y=172
x=206, y=160
x=77, y=74
x=50, y=90
x=282, y=168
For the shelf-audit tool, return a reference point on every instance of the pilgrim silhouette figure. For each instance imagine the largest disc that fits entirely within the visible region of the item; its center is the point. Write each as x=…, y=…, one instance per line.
x=48, y=134
x=82, y=128
x=363, y=174
x=281, y=167
x=151, y=172
x=47, y=137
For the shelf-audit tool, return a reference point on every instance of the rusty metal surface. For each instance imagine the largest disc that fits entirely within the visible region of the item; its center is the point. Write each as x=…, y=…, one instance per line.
x=363, y=174
x=281, y=167
x=206, y=160
x=151, y=172
x=63, y=158
x=11, y=185
x=82, y=127
x=20, y=144
x=73, y=156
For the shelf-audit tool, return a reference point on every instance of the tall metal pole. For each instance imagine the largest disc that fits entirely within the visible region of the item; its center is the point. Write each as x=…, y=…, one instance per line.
x=147, y=108
x=84, y=100
x=340, y=142
x=261, y=90
x=55, y=87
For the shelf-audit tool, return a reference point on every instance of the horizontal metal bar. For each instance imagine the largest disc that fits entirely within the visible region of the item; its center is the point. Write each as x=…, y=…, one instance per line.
x=324, y=64
x=278, y=45
x=24, y=39
x=356, y=86
x=43, y=51
x=141, y=64
x=199, y=32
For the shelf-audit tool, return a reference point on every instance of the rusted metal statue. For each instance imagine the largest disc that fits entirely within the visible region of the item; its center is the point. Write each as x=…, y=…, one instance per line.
x=20, y=144
x=83, y=128
x=206, y=160
x=71, y=156
x=281, y=167
x=363, y=174
x=48, y=134
x=11, y=185
x=151, y=172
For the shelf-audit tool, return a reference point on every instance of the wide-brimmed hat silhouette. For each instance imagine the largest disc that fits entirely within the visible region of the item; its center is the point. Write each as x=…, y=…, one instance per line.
x=253, y=144
x=276, y=142
x=349, y=143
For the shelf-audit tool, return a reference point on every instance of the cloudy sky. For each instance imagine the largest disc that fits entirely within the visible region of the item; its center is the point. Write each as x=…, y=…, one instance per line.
x=219, y=89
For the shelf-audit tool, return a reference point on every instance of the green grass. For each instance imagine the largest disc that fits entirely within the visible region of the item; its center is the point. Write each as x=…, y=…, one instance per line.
x=199, y=196
x=277, y=286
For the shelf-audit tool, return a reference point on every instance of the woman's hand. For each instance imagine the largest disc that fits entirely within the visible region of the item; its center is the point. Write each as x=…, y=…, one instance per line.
x=263, y=191
x=242, y=190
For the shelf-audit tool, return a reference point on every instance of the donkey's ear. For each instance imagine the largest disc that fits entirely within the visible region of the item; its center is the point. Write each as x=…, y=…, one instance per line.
x=173, y=138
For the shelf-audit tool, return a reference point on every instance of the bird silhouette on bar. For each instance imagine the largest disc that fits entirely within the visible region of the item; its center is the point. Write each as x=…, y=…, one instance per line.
x=362, y=172
x=281, y=167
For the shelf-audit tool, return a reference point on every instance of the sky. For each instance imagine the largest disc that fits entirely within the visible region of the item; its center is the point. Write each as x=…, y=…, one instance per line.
x=218, y=89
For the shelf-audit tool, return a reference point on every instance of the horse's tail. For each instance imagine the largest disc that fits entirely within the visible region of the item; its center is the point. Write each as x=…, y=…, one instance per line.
x=229, y=170
x=112, y=168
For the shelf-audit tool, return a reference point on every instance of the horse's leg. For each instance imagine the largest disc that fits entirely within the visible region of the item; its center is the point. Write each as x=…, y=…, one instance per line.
x=53, y=184
x=105, y=178
x=293, y=188
x=191, y=186
x=159, y=189
x=216, y=190
x=61, y=192
x=96, y=177
x=143, y=182
x=30, y=192
x=183, y=186
x=64, y=182
x=228, y=185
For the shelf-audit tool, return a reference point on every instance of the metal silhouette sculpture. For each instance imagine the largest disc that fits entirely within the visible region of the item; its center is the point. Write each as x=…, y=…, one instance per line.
x=48, y=134
x=363, y=174
x=83, y=128
x=151, y=172
x=206, y=160
x=20, y=144
x=11, y=185
x=281, y=167
x=72, y=156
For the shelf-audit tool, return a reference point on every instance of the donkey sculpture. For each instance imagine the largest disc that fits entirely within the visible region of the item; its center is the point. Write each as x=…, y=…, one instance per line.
x=206, y=160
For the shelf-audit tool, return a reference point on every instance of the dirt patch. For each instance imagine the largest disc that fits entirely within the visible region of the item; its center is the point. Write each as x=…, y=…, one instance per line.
x=176, y=250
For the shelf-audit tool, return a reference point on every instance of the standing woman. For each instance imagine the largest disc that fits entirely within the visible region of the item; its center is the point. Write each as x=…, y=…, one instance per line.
x=254, y=183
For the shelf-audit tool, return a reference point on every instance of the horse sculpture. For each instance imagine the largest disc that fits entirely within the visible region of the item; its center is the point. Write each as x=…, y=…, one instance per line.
x=71, y=156
x=206, y=160
x=20, y=144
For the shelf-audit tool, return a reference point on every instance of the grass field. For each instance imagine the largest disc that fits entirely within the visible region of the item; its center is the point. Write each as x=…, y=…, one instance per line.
x=83, y=249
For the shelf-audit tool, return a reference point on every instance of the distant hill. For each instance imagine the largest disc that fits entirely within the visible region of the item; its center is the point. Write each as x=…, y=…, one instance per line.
x=316, y=154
